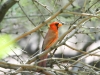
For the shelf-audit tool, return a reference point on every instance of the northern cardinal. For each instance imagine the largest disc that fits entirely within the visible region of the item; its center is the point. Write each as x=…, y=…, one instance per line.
x=50, y=38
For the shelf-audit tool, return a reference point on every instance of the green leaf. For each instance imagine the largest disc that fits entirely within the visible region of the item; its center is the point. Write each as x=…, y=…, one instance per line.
x=4, y=50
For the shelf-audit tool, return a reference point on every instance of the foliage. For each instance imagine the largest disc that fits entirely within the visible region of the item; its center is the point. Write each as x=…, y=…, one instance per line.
x=5, y=50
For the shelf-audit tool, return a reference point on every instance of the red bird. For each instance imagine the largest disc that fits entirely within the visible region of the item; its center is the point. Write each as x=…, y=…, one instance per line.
x=50, y=38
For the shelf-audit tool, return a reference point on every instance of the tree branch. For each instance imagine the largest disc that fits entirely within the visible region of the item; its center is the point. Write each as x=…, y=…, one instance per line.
x=5, y=7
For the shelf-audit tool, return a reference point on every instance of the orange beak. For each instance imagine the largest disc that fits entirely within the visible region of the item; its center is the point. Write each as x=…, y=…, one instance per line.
x=59, y=25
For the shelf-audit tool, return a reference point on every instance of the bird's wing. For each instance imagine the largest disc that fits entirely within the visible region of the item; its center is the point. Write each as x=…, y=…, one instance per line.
x=49, y=39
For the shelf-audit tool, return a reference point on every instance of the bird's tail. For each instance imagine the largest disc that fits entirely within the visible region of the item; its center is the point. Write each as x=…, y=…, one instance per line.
x=43, y=63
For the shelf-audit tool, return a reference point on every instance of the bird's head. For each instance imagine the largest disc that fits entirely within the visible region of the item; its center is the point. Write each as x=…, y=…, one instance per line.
x=55, y=25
